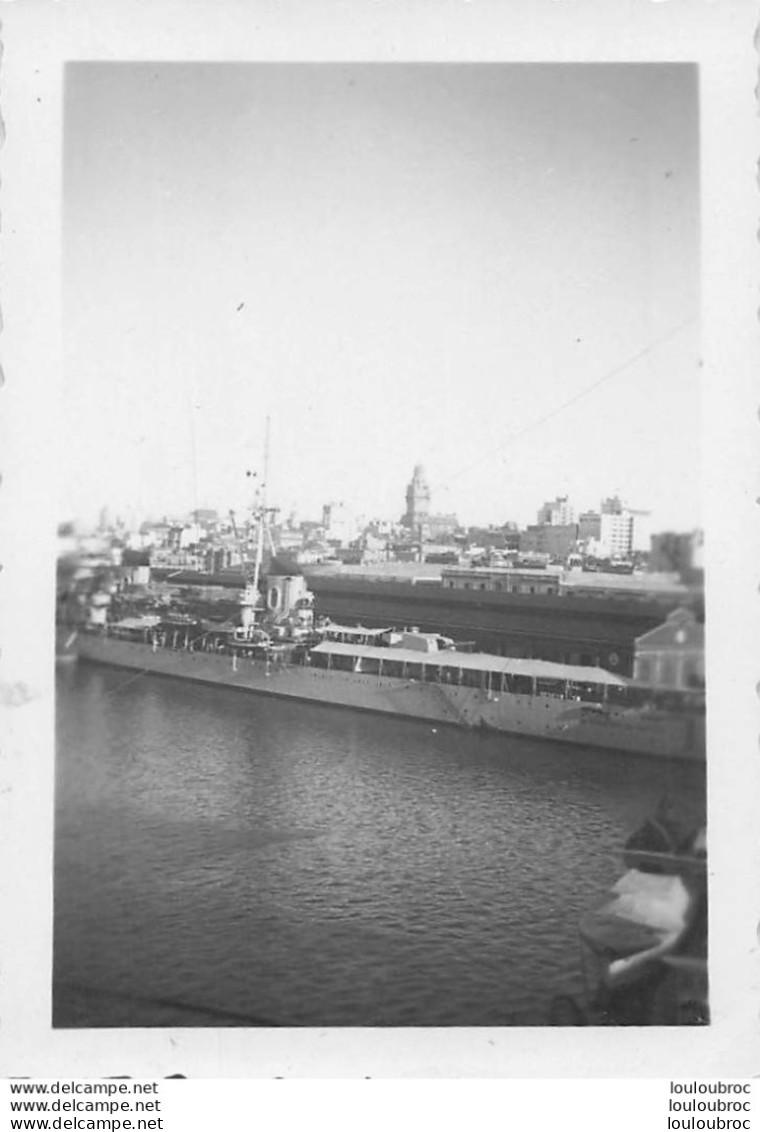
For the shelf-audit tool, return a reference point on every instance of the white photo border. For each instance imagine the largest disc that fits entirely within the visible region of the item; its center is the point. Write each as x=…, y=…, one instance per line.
x=38, y=41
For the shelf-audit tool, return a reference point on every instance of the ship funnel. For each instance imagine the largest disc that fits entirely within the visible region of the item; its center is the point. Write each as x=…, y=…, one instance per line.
x=283, y=592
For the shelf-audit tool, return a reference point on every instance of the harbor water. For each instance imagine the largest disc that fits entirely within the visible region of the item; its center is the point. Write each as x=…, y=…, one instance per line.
x=226, y=859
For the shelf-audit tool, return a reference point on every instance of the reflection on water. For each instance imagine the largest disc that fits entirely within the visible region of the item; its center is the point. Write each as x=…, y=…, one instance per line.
x=225, y=859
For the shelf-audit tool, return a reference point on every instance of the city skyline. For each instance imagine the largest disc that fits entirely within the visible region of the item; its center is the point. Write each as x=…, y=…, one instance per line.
x=107, y=516
x=491, y=270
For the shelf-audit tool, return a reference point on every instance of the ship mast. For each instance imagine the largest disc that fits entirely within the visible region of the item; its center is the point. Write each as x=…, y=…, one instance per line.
x=260, y=512
x=261, y=515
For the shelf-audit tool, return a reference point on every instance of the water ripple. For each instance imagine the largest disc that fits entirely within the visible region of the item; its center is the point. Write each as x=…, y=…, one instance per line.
x=224, y=859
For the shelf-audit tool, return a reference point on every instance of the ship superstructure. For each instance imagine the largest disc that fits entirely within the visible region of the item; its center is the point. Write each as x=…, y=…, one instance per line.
x=277, y=647
x=420, y=676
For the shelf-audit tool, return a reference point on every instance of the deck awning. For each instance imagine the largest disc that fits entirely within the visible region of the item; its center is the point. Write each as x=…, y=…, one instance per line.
x=354, y=630
x=477, y=662
x=148, y=622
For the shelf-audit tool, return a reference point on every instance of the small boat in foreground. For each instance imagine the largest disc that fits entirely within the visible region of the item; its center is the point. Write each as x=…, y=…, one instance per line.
x=644, y=948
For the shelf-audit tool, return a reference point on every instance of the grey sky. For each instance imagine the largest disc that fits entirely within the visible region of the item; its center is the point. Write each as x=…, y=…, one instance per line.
x=399, y=264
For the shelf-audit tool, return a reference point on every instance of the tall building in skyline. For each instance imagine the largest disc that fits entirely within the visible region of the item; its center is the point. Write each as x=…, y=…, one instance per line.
x=612, y=505
x=417, y=503
x=589, y=525
x=339, y=524
x=616, y=533
x=558, y=512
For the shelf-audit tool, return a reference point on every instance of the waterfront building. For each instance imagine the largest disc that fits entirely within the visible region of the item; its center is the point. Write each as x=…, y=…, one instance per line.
x=587, y=622
x=495, y=579
x=554, y=540
x=618, y=584
x=672, y=656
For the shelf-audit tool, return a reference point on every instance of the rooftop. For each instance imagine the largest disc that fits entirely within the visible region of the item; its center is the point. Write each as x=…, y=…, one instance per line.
x=478, y=662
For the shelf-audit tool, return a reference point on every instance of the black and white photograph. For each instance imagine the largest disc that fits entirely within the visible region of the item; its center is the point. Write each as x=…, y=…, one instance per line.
x=381, y=587
x=390, y=377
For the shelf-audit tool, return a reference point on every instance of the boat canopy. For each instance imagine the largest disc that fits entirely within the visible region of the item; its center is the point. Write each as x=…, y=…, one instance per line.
x=478, y=662
x=147, y=622
x=353, y=631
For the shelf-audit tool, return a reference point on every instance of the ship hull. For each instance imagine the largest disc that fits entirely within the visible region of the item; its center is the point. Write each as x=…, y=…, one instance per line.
x=659, y=734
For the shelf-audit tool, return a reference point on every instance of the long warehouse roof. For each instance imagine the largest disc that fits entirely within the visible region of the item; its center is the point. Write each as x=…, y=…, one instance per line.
x=477, y=662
